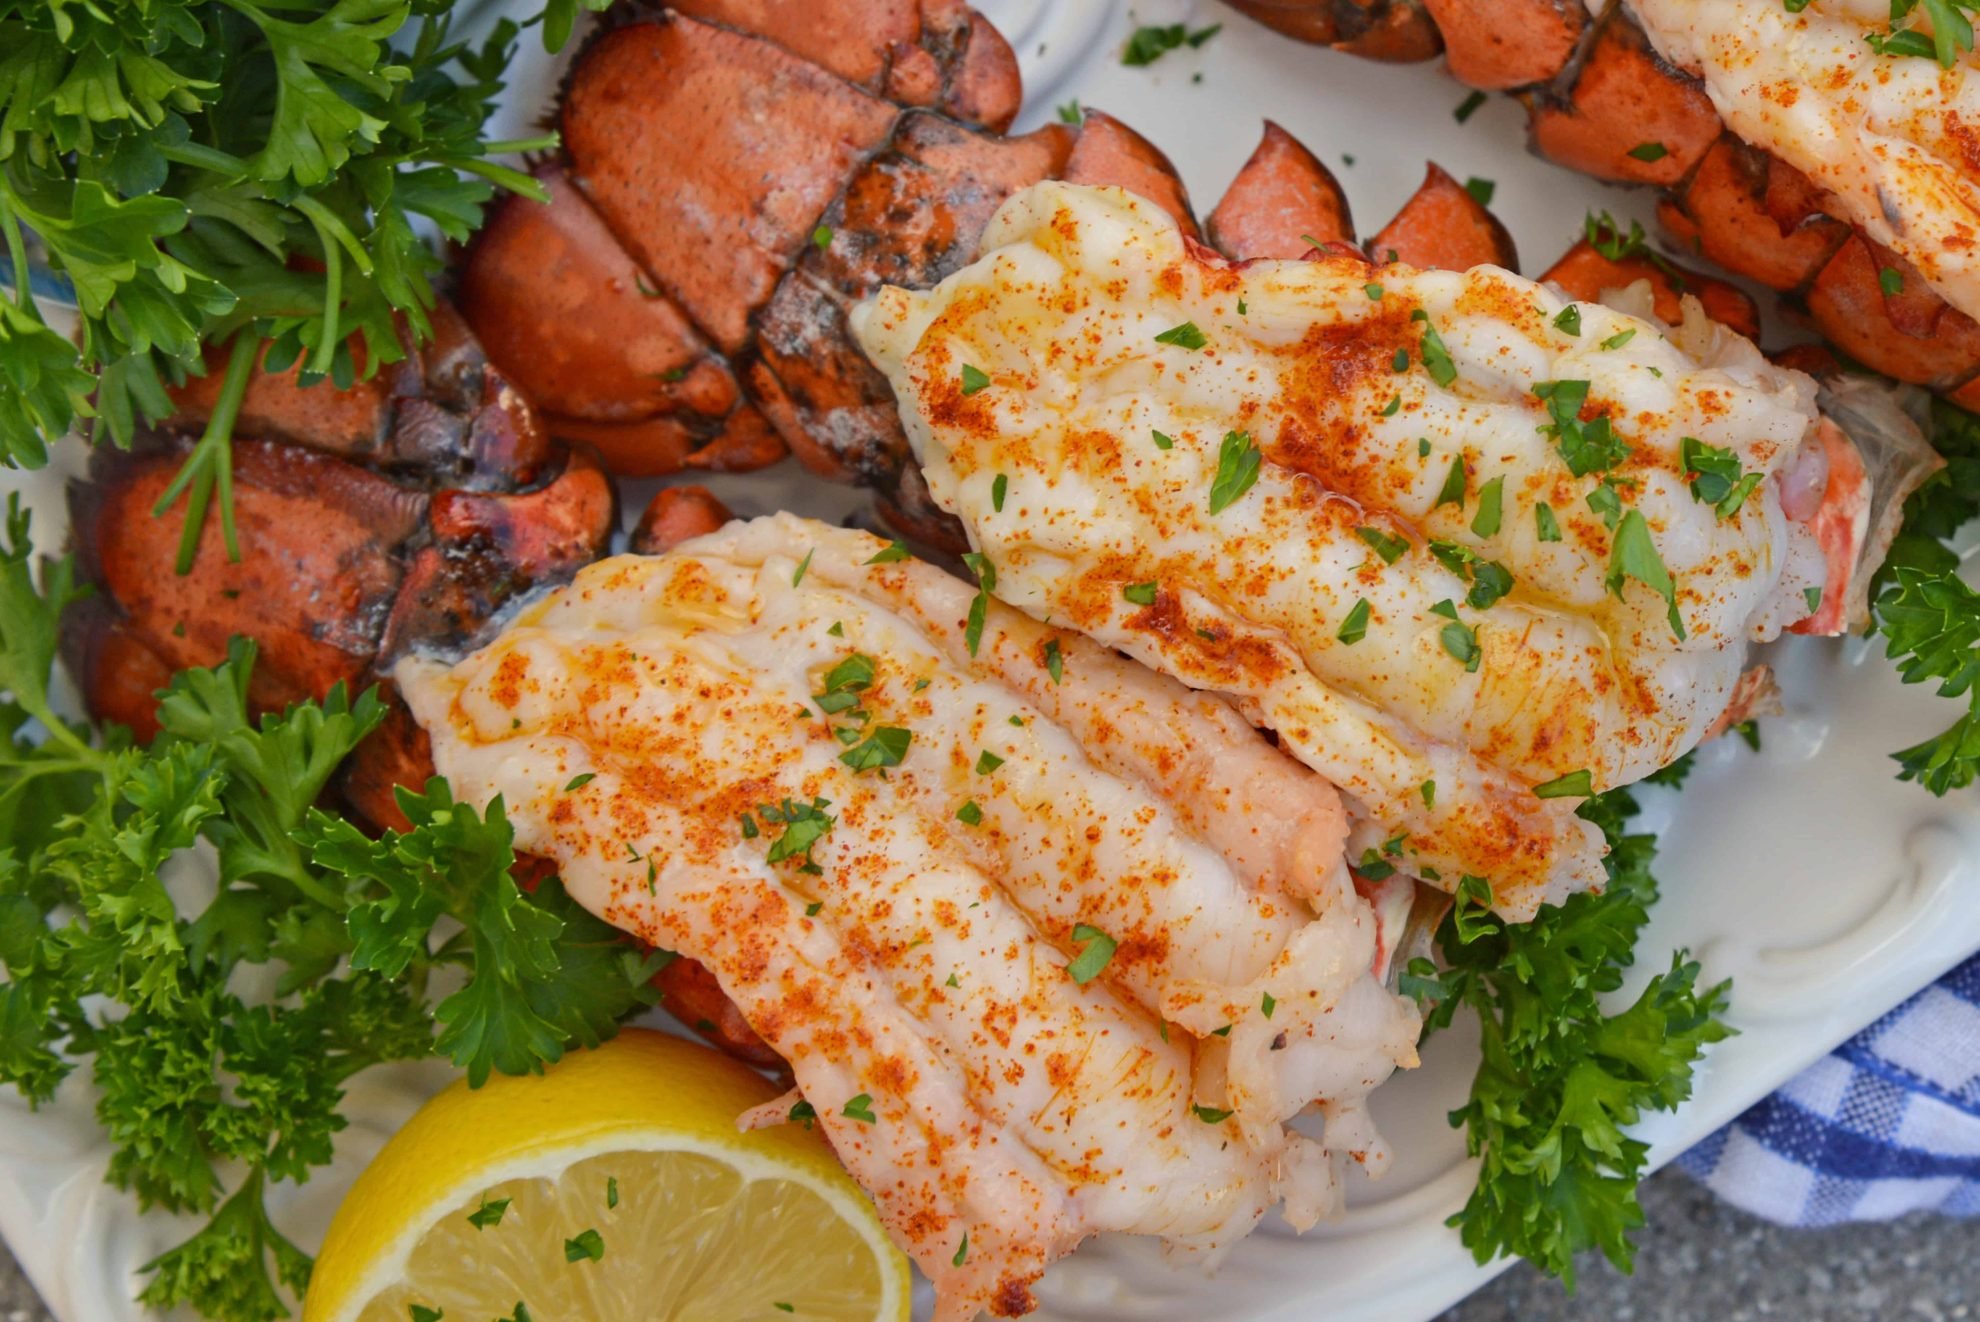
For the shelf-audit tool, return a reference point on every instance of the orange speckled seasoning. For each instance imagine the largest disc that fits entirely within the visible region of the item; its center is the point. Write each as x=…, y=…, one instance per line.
x=882, y=946
x=1886, y=139
x=1360, y=411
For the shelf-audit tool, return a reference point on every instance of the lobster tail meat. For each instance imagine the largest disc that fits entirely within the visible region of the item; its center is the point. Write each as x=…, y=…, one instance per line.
x=1282, y=203
x=1351, y=545
x=1444, y=227
x=915, y=937
x=1803, y=147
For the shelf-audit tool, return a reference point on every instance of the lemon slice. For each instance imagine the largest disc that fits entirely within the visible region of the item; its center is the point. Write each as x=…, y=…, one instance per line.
x=614, y=1188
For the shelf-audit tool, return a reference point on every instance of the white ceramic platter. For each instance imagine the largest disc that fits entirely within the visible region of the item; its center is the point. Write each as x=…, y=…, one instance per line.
x=1825, y=888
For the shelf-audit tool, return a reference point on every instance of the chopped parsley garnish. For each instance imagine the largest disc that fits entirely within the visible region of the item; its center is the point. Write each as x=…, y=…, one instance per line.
x=1355, y=627
x=1163, y=441
x=1374, y=867
x=1813, y=596
x=1546, y=526
x=1373, y=290
x=1491, y=503
x=998, y=486
x=1620, y=338
x=1210, y=1115
x=1634, y=555
x=1141, y=594
x=962, y=1252
x=838, y=630
x=887, y=555
x=1387, y=545
x=860, y=1108
x=884, y=747
x=1453, y=488
x=1574, y=785
x=813, y=909
x=1390, y=409
x=979, y=606
x=488, y=1214
x=1606, y=500
x=521, y=1314
x=1891, y=281
x=782, y=1307
x=1481, y=190
x=973, y=379
x=1185, y=336
x=969, y=814
x=1150, y=42
x=803, y=566
x=1070, y=113
x=1952, y=31
x=1400, y=363
x=1097, y=950
x=1468, y=107
x=1649, y=151
x=421, y=1313
x=750, y=830
x=1714, y=475
x=803, y=1113
x=1017, y=721
x=588, y=1246
x=1458, y=638
x=844, y=683
x=805, y=824
x=1428, y=789
x=579, y=781
x=1268, y=1004
x=1436, y=358
x=1490, y=581
x=987, y=762
x=611, y=1192
x=1585, y=447
x=1568, y=320
x=1240, y=306
x=1423, y=447
x=1055, y=664
x=1237, y=468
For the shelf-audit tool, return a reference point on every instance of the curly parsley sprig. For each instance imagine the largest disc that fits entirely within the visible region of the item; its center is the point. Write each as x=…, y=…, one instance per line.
x=1561, y=1076
x=102, y=968
x=1928, y=616
x=215, y=173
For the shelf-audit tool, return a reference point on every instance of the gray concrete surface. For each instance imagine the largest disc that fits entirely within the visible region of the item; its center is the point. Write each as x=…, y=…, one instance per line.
x=1698, y=1261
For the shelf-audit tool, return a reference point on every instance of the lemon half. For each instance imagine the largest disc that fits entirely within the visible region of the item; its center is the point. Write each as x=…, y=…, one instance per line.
x=613, y=1188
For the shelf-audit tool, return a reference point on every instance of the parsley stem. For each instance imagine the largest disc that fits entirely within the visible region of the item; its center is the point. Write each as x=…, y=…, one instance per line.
x=211, y=464
x=10, y=232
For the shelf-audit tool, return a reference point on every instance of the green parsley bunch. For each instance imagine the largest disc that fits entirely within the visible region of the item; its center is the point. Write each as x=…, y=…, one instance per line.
x=244, y=172
x=1928, y=616
x=1561, y=1077
x=196, y=1079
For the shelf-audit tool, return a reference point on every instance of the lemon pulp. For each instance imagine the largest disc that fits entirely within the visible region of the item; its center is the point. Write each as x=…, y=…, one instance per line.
x=613, y=1189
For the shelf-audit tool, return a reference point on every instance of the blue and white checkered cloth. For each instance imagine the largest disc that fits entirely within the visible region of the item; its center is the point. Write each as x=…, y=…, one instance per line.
x=1887, y=1124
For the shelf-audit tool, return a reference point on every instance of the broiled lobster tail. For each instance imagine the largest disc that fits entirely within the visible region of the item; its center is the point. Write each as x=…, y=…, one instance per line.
x=403, y=512
x=1601, y=99
x=737, y=175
